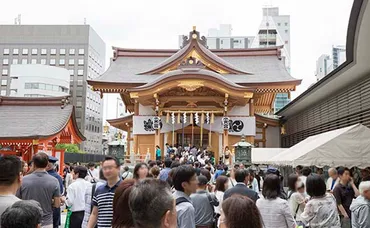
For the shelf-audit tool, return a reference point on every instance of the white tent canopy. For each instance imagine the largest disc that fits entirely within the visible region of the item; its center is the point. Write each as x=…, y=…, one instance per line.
x=263, y=155
x=347, y=147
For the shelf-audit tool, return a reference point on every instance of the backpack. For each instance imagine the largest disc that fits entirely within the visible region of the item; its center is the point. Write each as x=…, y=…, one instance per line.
x=181, y=200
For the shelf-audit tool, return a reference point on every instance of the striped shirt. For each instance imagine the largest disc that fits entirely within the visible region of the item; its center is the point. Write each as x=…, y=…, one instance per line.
x=103, y=200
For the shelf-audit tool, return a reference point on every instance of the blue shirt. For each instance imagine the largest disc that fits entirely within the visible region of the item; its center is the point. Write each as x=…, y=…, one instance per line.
x=56, y=175
x=163, y=175
x=103, y=200
x=218, y=173
x=158, y=152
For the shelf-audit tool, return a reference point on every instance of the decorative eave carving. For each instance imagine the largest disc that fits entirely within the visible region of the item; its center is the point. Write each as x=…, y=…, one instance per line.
x=191, y=63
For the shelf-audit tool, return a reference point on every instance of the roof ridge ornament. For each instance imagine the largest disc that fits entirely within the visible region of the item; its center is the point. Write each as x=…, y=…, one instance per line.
x=194, y=35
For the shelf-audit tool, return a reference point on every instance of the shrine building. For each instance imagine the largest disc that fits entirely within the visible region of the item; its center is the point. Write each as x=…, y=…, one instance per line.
x=197, y=96
x=29, y=125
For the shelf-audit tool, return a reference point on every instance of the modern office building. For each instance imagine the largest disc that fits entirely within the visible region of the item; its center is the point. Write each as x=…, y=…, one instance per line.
x=77, y=48
x=339, y=55
x=274, y=30
x=222, y=38
x=36, y=80
x=324, y=65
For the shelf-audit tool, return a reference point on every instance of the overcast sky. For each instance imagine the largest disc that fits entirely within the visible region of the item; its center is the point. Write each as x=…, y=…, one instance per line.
x=315, y=24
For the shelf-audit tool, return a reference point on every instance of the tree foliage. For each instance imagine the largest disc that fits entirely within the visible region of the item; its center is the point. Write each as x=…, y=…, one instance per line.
x=70, y=148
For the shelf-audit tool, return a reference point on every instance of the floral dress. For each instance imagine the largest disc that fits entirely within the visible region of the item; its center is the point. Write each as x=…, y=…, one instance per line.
x=321, y=212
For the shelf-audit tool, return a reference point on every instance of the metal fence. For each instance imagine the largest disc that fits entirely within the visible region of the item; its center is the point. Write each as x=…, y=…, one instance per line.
x=83, y=158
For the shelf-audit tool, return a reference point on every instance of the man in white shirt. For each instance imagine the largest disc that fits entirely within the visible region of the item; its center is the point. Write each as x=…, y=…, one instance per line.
x=92, y=173
x=333, y=179
x=76, y=196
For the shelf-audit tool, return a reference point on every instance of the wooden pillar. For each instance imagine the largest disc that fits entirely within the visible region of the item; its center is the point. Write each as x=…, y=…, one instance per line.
x=225, y=132
x=251, y=107
x=136, y=113
x=264, y=136
x=128, y=144
x=157, y=141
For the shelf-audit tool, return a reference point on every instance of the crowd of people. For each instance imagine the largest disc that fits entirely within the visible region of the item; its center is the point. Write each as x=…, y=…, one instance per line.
x=178, y=192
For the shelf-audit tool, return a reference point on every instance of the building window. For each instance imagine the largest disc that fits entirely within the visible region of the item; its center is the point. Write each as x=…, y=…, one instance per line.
x=286, y=23
x=71, y=72
x=52, y=61
x=62, y=61
x=3, y=93
x=5, y=61
x=62, y=51
x=33, y=61
x=34, y=51
x=53, y=51
x=15, y=51
x=5, y=72
x=4, y=82
x=279, y=24
x=80, y=62
x=25, y=51
x=71, y=62
x=286, y=31
x=44, y=51
x=79, y=82
x=43, y=61
x=81, y=51
x=24, y=61
x=15, y=61
x=80, y=72
x=6, y=51
x=72, y=51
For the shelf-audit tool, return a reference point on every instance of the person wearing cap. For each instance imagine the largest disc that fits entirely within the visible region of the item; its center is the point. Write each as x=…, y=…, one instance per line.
x=41, y=187
x=51, y=169
x=204, y=204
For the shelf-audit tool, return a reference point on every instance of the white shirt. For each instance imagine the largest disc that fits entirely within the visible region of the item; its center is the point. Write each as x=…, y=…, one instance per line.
x=220, y=196
x=303, y=179
x=76, y=194
x=329, y=182
x=255, y=185
x=92, y=174
x=297, y=200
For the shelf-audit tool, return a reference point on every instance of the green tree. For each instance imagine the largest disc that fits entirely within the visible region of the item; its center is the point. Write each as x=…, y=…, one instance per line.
x=70, y=148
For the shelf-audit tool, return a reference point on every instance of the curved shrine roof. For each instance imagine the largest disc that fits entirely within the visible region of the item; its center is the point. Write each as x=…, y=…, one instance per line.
x=34, y=118
x=234, y=66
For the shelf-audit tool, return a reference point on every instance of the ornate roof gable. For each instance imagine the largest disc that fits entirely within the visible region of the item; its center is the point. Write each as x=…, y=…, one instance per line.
x=195, y=53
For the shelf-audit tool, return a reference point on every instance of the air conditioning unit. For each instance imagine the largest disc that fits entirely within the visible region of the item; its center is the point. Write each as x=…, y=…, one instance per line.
x=156, y=123
x=225, y=123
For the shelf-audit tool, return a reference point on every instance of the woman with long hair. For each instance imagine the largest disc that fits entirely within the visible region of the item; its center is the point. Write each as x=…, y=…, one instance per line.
x=24, y=168
x=222, y=183
x=321, y=210
x=141, y=171
x=122, y=216
x=274, y=210
x=240, y=212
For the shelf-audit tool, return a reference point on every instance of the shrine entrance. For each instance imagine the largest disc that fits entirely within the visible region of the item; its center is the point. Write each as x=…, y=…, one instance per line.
x=191, y=135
